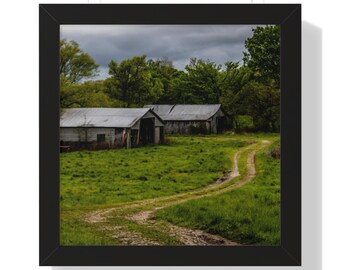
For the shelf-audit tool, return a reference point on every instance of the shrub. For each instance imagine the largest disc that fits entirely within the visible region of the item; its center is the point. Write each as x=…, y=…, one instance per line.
x=243, y=123
x=274, y=153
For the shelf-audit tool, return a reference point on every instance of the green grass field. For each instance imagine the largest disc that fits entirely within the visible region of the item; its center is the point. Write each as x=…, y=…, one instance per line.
x=94, y=180
x=91, y=179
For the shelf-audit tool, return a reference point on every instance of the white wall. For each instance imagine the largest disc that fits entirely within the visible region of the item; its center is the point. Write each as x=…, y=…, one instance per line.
x=19, y=114
x=79, y=134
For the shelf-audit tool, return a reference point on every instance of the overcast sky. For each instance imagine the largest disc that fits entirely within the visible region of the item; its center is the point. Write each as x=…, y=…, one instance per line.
x=218, y=43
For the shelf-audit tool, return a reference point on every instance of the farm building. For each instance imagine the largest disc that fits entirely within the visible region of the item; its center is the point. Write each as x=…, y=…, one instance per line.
x=99, y=128
x=191, y=119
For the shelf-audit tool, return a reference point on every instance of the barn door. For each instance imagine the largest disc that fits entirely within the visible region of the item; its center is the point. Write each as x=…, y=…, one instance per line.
x=147, y=131
x=220, y=124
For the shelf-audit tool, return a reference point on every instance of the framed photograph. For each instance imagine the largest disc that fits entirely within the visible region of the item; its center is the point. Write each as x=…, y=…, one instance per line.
x=170, y=135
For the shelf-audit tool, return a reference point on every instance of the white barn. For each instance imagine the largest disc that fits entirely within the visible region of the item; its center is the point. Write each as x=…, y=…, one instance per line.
x=98, y=128
x=191, y=119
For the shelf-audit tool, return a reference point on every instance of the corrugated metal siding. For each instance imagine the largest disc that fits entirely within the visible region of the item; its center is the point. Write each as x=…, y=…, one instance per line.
x=182, y=112
x=187, y=127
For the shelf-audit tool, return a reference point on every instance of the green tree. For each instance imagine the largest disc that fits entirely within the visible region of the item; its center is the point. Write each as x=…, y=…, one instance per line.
x=162, y=69
x=75, y=64
x=232, y=80
x=181, y=92
x=134, y=83
x=263, y=54
x=262, y=103
x=202, y=82
x=89, y=94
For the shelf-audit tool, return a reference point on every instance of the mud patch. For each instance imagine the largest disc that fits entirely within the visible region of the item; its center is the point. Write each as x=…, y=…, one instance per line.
x=197, y=237
x=128, y=237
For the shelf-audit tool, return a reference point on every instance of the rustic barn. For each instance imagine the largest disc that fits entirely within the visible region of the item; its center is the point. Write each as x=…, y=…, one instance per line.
x=191, y=119
x=99, y=128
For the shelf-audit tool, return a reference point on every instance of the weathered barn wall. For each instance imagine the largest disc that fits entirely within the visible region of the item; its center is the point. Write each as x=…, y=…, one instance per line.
x=214, y=121
x=188, y=127
x=113, y=136
x=194, y=127
x=157, y=135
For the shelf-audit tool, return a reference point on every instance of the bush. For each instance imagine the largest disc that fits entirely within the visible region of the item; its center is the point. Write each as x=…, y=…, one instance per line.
x=243, y=123
x=274, y=153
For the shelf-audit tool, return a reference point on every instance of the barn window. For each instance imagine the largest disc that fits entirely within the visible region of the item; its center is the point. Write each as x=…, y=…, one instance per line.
x=100, y=137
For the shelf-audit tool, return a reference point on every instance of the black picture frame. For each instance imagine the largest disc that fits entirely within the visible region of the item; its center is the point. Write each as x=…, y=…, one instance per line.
x=288, y=16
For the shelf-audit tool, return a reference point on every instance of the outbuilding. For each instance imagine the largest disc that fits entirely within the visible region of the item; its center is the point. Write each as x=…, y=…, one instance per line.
x=100, y=128
x=191, y=119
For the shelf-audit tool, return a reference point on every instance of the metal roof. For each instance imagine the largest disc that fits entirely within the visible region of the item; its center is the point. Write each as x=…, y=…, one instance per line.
x=101, y=117
x=183, y=112
x=160, y=109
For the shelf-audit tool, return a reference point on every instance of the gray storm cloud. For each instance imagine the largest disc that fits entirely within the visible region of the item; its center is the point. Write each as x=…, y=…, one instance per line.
x=218, y=43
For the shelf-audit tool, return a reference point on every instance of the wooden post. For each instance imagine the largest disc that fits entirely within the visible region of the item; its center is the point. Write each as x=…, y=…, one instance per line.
x=128, y=138
x=138, y=132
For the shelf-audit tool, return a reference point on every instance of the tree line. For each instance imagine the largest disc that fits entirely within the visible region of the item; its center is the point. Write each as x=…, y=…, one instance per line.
x=249, y=92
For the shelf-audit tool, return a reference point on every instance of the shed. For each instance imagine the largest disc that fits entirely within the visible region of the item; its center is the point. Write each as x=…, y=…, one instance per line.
x=98, y=128
x=191, y=119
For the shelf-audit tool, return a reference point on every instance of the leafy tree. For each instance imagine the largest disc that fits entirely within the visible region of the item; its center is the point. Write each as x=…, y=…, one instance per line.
x=202, y=82
x=262, y=102
x=163, y=70
x=75, y=64
x=263, y=54
x=135, y=85
x=232, y=80
x=88, y=94
x=180, y=89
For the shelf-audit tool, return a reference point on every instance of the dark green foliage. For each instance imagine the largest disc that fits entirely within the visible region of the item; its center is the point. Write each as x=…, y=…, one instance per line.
x=243, y=123
x=202, y=85
x=263, y=54
x=263, y=103
x=232, y=80
x=132, y=82
x=163, y=72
